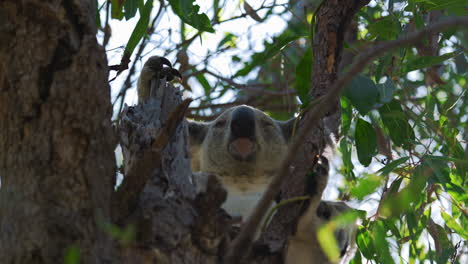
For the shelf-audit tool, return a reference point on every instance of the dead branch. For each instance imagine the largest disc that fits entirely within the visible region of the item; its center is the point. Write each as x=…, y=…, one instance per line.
x=126, y=196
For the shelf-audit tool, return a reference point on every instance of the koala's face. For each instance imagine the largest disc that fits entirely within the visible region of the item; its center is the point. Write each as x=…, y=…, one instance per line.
x=243, y=142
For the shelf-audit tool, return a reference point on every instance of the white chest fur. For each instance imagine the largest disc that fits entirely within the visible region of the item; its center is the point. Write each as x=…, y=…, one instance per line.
x=243, y=194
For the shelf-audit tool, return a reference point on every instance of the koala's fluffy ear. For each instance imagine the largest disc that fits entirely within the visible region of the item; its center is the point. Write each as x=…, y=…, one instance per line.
x=287, y=127
x=197, y=132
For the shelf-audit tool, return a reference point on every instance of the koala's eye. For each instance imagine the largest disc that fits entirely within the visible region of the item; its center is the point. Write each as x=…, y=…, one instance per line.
x=220, y=123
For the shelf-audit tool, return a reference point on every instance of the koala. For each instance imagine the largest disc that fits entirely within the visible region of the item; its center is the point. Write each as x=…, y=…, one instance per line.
x=243, y=147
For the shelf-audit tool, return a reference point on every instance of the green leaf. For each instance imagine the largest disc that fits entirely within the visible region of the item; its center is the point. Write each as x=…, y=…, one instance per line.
x=131, y=7
x=204, y=83
x=357, y=258
x=380, y=243
x=440, y=172
x=303, y=76
x=72, y=255
x=364, y=242
x=271, y=49
x=140, y=29
x=365, y=186
x=386, y=28
x=366, y=142
x=229, y=41
x=346, y=115
x=452, y=223
x=426, y=61
x=390, y=225
x=116, y=9
x=414, y=225
x=396, y=122
x=363, y=93
x=328, y=243
x=386, y=90
x=454, y=7
x=418, y=20
x=345, y=150
x=392, y=165
x=187, y=10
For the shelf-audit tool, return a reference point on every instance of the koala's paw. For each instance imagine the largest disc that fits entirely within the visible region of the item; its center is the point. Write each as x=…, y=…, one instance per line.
x=212, y=223
x=210, y=192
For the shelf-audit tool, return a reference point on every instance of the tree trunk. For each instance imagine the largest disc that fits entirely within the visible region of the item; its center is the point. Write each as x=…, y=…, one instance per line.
x=57, y=164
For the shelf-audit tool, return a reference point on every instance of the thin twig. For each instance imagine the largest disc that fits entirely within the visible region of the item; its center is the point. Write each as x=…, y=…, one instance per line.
x=245, y=237
x=251, y=87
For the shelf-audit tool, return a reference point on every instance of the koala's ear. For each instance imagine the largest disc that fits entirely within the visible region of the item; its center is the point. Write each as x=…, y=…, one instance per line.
x=197, y=131
x=287, y=127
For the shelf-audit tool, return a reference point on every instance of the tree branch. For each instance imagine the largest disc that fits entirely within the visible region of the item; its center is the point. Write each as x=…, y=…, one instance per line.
x=322, y=106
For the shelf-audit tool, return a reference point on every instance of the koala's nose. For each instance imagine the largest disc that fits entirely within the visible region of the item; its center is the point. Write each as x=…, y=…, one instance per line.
x=243, y=123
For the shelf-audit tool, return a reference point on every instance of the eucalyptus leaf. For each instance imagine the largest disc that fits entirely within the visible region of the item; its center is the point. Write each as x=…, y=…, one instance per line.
x=452, y=223
x=382, y=246
x=328, y=243
x=130, y=7
x=204, y=83
x=364, y=242
x=346, y=115
x=396, y=122
x=365, y=186
x=392, y=165
x=386, y=90
x=140, y=29
x=426, y=61
x=303, y=75
x=387, y=28
x=345, y=150
x=363, y=93
x=116, y=9
x=229, y=41
x=188, y=12
x=366, y=141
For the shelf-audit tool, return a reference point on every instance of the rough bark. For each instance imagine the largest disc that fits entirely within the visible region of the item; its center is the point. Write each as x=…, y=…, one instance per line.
x=57, y=164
